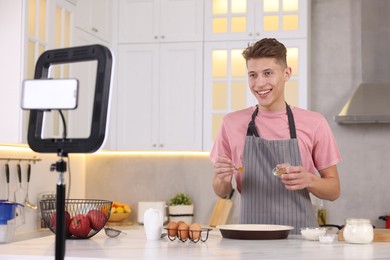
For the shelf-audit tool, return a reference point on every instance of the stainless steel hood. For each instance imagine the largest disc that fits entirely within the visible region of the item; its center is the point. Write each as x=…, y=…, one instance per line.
x=369, y=104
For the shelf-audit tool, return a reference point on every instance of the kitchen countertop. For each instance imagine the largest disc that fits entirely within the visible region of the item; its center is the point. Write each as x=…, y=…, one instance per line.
x=134, y=245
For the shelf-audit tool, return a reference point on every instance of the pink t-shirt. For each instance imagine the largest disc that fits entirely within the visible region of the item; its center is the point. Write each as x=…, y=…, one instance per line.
x=317, y=144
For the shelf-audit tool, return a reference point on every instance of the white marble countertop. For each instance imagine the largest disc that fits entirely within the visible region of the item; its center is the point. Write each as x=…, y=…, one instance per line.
x=135, y=246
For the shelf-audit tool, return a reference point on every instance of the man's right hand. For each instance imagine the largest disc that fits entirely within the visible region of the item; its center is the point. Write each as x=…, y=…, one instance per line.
x=223, y=169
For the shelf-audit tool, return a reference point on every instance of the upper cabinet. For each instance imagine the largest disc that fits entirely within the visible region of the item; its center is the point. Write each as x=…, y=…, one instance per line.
x=255, y=19
x=11, y=44
x=159, y=100
x=95, y=17
x=143, y=21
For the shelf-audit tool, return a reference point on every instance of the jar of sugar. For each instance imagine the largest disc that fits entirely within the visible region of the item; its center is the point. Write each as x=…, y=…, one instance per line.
x=358, y=231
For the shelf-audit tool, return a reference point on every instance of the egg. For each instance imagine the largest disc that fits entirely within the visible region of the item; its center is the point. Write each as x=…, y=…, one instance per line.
x=172, y=228
x=195, y=231
x=180, y=222
x=182, y=231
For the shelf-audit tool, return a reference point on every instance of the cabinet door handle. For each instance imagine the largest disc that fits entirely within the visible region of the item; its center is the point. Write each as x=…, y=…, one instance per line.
x=161, y=145
x=251, y=34
x=154, y=145
x=156, y=37
x=257, y=34
x=94, y=29
x=162, y=37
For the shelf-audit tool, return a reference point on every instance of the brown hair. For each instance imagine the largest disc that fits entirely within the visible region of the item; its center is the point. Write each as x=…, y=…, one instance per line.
x=266, y=48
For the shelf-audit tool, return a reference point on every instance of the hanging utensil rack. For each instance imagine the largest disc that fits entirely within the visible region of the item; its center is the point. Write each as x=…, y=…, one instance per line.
x=33, y=159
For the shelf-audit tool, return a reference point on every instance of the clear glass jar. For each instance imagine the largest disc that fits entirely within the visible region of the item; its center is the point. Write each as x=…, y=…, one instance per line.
x=358, y=231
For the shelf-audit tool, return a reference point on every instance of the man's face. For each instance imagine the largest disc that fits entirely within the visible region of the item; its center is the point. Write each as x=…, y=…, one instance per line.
x=266, y=80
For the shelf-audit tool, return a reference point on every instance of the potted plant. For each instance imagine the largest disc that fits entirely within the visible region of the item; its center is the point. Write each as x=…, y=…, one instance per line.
x=181, y=208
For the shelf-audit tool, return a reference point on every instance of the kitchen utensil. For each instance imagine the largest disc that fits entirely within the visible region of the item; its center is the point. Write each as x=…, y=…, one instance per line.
x=75, y=207
x=221, y=210
x=7, y=177
x=254, y=231
x=110, y=232
x=20, y=194
x=27, y=201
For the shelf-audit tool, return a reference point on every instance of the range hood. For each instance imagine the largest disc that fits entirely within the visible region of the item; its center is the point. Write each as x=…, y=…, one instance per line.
x=369, y=104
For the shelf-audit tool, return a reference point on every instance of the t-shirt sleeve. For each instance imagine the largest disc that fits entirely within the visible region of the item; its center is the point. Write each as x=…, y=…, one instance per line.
x=326, y=152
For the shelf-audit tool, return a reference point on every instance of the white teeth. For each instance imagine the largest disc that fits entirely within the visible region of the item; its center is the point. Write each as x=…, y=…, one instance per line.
x=263, y=92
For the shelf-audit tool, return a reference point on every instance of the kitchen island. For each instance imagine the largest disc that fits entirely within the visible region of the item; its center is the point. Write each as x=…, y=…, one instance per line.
x=134, y=245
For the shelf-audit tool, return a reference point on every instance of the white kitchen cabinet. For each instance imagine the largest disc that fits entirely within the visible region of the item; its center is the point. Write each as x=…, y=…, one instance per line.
x=255, y=19
x=11, y=44
x=95, y=18
x=159, y=98
x=160, y=21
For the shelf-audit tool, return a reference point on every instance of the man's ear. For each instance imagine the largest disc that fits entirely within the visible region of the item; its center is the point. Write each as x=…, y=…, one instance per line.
x=287, y=73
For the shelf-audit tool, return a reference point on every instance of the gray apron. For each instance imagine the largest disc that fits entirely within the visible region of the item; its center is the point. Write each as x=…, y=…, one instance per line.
x=264, y=199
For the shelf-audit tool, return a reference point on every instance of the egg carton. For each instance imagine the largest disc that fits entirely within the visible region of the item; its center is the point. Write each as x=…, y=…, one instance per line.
x=189, y=235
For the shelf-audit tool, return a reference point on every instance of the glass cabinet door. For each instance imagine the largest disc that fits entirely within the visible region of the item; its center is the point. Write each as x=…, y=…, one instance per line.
x=255, y=19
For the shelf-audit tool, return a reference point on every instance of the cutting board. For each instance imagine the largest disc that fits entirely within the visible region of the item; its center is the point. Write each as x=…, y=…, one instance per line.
x=221, y=211
x=380, y=235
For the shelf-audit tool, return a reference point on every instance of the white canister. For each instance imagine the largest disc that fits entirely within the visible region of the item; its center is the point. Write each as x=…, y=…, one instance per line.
x=153, y=224
x=358, y=231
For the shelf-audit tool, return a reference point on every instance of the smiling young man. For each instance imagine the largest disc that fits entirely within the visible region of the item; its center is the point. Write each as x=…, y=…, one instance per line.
x=272, y=134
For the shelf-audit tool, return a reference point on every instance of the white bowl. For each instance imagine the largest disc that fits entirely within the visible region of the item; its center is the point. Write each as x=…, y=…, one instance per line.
x=327, y=238
x=312, y=233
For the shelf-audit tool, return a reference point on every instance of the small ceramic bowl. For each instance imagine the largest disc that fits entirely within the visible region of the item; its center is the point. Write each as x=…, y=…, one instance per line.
x=327, y=238
x=312, y=233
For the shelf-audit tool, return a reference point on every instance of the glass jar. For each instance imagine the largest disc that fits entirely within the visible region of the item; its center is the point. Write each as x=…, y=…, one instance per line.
x=358, y=231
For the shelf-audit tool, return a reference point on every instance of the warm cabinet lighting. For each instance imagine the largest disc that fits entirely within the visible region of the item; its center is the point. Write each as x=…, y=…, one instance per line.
x=290, y=5
x=219, y=96
x=220, y=25
x=238, y=6
x=271, y=23
x=290, y=22
x=220, y=6
x=238, y=64
x=219, y=63
x=292, y=60
x=271, y=5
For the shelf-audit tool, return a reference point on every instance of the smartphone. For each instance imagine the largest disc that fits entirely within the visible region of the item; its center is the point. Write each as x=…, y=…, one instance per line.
x=50, y=94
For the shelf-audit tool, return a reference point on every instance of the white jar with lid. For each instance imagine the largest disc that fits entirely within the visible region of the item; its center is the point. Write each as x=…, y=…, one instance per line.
x=358, y=231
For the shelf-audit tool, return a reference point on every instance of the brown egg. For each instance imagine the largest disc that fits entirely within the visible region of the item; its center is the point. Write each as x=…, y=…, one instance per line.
x=195, y=231
x=172, y=228
x=180, y=222
x=182, y=231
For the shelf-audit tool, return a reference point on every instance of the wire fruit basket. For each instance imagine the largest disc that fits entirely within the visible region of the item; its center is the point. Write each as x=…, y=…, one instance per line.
x=84, y=218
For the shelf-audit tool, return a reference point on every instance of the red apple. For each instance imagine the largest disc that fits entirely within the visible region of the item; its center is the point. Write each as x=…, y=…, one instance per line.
x=79, y=226
x=53, y=221
x=97, y=219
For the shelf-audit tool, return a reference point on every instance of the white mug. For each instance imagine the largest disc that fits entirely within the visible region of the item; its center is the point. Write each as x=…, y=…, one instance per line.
x=153, y=224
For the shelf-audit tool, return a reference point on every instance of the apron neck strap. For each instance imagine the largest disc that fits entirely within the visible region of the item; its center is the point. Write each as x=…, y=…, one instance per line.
x=252, y=130
x=291, y=122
